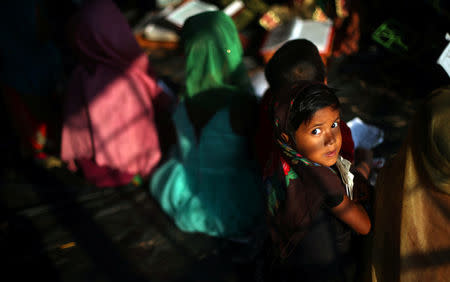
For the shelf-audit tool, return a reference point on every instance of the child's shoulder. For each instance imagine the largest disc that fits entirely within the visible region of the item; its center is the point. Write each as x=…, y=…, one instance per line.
x=325, y=178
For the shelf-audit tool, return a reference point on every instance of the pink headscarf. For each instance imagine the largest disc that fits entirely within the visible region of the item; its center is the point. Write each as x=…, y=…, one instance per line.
x=109, y=109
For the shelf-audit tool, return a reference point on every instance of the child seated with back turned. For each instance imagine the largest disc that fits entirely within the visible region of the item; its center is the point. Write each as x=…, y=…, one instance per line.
x=312, y=199
x=210, y=183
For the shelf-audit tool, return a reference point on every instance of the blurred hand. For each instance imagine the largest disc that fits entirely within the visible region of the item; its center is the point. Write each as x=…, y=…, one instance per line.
x=363, y=161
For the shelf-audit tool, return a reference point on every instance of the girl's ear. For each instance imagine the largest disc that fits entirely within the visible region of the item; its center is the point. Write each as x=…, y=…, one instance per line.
x=285, y=137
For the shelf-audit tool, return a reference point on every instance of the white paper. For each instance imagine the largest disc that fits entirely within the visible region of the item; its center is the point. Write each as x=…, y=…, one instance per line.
x=157, y=33
x=444, y=59
x=259, y=83
x=189, y=9
x=278, y=36
x=233, y=8
x=167, y=3
x=316, y=32
x=347, y=177
x=364, y=135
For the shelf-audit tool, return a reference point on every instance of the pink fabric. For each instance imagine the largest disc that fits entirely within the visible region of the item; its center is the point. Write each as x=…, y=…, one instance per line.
x=103, y=176
x=109, y=108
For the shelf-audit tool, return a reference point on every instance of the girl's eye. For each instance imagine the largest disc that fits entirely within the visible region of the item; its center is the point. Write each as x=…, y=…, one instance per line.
x=316, y=131
x=335, y=124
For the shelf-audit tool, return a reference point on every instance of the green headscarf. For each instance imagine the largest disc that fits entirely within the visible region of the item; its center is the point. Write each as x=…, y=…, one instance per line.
x=213, y=54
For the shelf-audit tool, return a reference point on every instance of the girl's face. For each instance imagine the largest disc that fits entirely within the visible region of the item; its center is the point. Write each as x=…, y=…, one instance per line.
x=320, y=139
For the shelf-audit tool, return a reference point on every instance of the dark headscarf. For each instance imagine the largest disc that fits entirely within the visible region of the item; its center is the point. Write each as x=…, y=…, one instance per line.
x=296, y=59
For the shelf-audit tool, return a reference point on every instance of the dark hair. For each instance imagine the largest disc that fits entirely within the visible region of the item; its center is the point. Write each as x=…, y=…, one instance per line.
x=309, y=98
x=296, y=60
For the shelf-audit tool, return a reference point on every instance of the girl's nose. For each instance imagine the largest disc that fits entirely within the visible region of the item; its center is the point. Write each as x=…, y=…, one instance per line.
x=330, y=138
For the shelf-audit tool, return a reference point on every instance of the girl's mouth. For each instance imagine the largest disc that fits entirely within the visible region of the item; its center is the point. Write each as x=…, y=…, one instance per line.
x=331, y=154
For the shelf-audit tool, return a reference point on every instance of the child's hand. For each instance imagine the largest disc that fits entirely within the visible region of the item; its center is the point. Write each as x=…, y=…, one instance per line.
x=363, y=161
x=363, y=192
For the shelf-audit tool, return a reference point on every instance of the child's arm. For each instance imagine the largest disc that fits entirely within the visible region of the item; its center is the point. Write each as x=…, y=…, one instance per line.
x=363, y=160
x=353, y=215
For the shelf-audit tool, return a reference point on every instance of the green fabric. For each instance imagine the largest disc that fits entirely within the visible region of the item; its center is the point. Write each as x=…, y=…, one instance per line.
x=213, y=54
x=209, y=185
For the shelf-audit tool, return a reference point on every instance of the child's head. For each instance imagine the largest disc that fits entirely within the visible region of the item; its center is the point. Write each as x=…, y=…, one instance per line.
x=296, y=60
x=213, y=53
x=313, y=122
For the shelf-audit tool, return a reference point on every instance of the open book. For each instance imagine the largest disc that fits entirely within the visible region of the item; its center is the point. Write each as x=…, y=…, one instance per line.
x=162, y=29
x=319, y=33
x=193, y=7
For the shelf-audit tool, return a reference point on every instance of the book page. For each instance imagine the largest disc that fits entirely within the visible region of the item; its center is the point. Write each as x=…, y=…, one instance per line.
x=281, y=34
x=365, y=135
x=186, y=10
x=233, y=8
x=316, y=32
x=444, y=59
